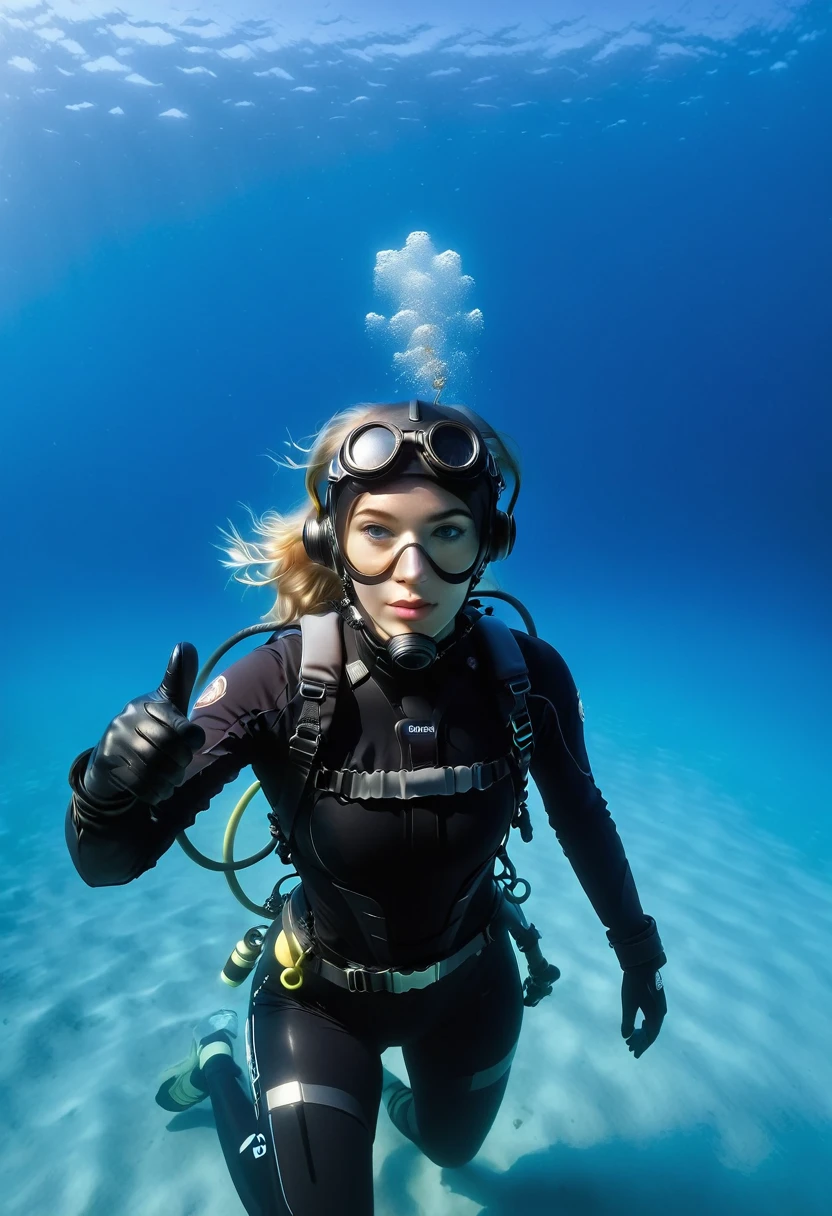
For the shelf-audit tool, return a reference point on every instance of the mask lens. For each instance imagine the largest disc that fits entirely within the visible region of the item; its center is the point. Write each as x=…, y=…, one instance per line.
x=371, y=449
x=373, y=546
x=453, y=446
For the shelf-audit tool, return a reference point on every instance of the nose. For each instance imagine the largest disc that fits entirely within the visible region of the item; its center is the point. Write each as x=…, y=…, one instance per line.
x=411, y=566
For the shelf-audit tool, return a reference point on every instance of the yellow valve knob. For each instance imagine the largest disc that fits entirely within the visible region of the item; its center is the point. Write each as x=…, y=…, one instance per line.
x=291, y=977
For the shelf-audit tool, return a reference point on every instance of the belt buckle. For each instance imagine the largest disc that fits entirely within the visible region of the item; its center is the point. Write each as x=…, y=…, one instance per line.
x=407, y=982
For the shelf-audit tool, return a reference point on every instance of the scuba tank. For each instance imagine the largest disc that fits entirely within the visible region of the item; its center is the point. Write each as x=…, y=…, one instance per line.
x=243, y=958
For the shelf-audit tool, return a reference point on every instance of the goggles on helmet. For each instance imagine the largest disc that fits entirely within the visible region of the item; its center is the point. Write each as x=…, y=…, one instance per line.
x=448, y=449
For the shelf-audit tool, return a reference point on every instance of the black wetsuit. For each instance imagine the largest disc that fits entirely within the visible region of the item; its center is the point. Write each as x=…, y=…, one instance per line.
x=389, y=883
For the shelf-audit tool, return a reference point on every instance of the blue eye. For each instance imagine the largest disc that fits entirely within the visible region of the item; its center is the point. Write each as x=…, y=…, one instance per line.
x=445, y=532
x=375, y=532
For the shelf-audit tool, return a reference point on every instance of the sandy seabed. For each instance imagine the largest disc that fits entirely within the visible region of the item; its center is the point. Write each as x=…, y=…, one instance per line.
x=729, y=1111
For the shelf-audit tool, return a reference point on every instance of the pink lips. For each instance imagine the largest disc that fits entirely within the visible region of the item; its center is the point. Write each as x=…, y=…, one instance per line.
x=411, y=610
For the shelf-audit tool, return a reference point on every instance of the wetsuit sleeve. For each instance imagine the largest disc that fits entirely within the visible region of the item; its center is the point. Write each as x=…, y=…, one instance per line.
x=574, y=805
x=111, y=849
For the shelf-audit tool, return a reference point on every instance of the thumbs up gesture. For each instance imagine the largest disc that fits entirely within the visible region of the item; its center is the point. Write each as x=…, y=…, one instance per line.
x=145, y=751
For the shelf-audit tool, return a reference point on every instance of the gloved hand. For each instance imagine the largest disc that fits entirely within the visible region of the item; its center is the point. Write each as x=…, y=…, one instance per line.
x=642, y=988
x=147, y=748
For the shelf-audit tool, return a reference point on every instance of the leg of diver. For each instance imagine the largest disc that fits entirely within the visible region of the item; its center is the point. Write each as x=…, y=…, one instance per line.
x=316, y=1087
x=244, y=1146
x=295, y=1146
x=398, y=1098
x=209, y=1070
x=459, y=1070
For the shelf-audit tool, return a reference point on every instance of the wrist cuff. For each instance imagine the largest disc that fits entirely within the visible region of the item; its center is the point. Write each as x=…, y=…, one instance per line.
x=642, y=947
x=88, y=809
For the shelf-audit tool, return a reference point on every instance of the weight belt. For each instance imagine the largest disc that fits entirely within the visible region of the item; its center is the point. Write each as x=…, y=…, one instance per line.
x=368, y=979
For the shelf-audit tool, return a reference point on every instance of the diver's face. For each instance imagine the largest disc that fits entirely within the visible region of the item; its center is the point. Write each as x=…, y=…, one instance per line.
x=414, y=598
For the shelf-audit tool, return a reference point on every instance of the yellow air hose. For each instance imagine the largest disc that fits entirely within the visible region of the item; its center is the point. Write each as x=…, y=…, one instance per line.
x=228, y=852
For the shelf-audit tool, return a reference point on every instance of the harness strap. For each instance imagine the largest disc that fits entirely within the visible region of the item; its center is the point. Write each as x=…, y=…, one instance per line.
x=322, y=664
x=415, y=783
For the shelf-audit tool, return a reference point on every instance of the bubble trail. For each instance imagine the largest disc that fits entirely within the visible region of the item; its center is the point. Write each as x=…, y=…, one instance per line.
x=429, y=327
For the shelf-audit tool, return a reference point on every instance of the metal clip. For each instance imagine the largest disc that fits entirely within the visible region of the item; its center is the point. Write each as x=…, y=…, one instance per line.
x=521, y=727
x=353, y=984
x=520, y=687
x=312, y=690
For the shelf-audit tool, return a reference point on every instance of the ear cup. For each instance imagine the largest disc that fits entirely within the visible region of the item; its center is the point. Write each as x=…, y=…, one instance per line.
x=317, y=541
x=503, y=534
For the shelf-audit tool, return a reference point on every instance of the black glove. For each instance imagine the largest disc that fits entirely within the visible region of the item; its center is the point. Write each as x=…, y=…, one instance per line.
x=640, y=957
x=642, y=988
x=146, y=749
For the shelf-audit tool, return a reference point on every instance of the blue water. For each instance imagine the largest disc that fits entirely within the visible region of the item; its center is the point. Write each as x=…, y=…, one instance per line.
x=649, y=231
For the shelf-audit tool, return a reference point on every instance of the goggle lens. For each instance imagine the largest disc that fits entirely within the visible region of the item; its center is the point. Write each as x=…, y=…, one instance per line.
x=452, y=445
x=372, y=448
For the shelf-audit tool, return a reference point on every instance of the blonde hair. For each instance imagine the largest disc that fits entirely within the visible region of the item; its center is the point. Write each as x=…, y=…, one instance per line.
x=278, y=558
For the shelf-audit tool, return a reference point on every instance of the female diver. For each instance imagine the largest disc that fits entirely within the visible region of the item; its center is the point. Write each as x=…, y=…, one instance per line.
x=391, y=737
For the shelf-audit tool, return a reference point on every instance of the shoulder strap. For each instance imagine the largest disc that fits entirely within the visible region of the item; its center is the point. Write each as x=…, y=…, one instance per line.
x=321, y=664
x=509, y=671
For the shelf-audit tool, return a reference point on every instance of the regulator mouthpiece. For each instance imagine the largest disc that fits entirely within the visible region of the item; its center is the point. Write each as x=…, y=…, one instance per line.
x=412, y=651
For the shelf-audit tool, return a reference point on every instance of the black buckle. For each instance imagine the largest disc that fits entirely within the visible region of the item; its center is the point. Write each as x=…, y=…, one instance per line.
x=334, y=781
x=307, y=744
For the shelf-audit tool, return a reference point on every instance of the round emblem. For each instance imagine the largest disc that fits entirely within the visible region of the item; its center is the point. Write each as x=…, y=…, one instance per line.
x=581, y=706
x=659, y=984
x=212, y=693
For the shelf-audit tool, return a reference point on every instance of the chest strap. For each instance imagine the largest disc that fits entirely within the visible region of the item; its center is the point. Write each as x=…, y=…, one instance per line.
x=412, y=783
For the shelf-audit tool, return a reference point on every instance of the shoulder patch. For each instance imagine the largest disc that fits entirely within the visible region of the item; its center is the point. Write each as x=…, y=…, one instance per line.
x=216, y=689
x=581, y=706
